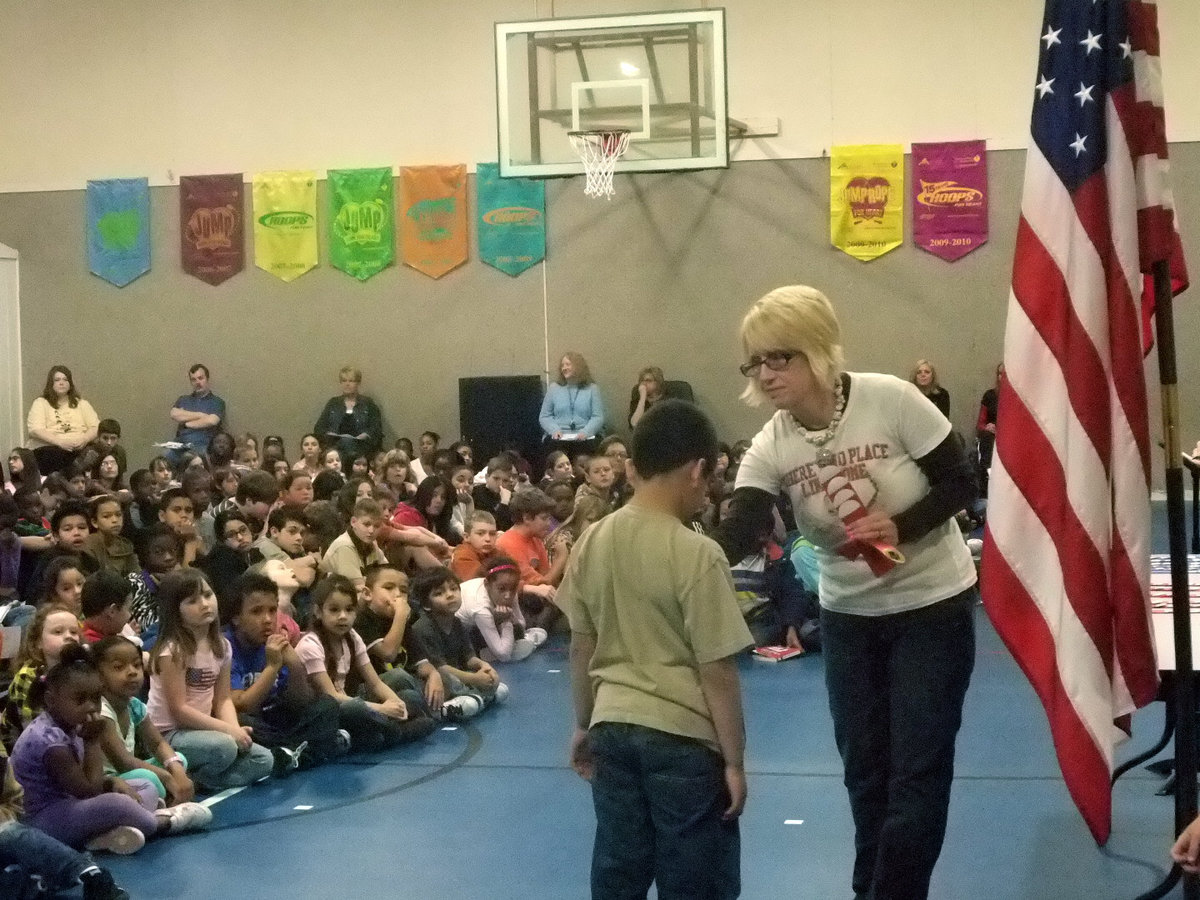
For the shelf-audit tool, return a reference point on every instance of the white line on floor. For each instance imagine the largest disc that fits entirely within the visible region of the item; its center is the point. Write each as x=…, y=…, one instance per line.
x=224, y=795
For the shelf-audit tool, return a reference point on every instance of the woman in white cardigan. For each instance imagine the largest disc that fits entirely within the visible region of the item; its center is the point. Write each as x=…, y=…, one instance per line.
x=60, y=423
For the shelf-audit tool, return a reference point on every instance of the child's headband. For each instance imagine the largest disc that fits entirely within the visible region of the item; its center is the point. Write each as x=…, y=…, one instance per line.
x=503, y=567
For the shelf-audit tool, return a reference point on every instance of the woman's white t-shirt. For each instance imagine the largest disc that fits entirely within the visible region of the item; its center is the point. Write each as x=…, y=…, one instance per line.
x=887, y=425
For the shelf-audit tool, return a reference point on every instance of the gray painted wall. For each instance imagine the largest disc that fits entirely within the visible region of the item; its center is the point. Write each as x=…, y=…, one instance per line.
x=661, y=274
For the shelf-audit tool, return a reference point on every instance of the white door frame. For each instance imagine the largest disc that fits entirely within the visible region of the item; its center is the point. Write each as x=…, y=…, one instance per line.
x=12, y=419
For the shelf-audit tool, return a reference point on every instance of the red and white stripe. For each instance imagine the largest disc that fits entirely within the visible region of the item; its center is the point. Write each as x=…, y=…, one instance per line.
x=1065, y=574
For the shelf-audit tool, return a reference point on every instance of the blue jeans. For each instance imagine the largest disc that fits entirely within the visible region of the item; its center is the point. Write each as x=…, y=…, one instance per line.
x=39, y=854
x=214, y=761
x=658, y=799
x=896, y=688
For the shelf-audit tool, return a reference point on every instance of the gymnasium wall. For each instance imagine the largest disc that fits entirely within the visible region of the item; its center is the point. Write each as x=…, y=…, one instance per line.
x=661, y=274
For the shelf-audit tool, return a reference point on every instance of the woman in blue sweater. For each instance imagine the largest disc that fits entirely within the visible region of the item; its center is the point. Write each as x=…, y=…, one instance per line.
x=572, y=411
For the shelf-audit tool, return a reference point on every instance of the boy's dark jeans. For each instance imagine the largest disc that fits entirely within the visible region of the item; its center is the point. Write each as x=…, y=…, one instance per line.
x=659, y=799
x=896, y=687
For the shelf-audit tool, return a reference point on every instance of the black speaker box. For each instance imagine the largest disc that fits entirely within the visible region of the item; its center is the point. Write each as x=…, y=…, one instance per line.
x=497, y=412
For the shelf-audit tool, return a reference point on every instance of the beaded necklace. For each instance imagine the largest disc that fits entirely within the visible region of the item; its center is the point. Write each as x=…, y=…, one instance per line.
x=825, y=435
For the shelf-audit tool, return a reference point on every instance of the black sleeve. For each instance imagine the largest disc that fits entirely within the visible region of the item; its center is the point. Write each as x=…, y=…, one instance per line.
x=952, y=487
x=749, y=509
x=323, y=424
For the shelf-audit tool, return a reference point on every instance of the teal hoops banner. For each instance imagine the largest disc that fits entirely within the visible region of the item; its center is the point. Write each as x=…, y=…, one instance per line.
x=512, y=220
x=118, y=229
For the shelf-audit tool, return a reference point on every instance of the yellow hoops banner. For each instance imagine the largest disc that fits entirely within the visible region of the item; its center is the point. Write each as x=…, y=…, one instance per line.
x=285, y=223
x=866, y=199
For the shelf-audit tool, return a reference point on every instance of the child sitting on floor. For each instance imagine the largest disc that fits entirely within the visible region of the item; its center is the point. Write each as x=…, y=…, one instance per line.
x=50, y=631
x=106, y=547
x=524, y=542
x=470, y=683
x=593, y=500
x=270, y=690
x=107, y=602
x=58, y=760
x=122, y=674
x=32, y=862
x=189, y=700
x=355, y=548
x=332, y=650
x=493, y=616
x=384, y=622
x=480, y=543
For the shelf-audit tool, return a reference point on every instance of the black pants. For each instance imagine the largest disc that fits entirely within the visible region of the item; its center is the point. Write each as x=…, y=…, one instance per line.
x=54, y=459
x=896, y=689
x=285, y=725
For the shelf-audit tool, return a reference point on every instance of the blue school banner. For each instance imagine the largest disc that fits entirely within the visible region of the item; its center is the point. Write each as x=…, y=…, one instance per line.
x=512, y=220
x=118, y=229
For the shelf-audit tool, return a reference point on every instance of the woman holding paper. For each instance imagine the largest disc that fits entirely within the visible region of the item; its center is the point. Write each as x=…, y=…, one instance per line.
x=875, y=476
x=572, y=413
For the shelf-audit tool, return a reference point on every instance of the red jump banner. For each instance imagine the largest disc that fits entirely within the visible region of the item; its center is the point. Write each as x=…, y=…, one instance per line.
x=950, y=197
x=212, y=226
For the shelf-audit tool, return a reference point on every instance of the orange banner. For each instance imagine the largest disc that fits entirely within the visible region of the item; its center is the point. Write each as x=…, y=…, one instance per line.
x=433, y=217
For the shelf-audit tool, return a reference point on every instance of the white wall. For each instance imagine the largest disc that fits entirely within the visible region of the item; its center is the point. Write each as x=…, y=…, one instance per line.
x=12, y=405
x=144, y=87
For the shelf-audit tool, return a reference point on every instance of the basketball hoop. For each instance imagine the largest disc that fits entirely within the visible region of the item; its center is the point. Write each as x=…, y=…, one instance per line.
x=599, y=152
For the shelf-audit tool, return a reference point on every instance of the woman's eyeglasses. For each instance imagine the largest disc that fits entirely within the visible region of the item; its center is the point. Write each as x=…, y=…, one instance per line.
x=775, y=360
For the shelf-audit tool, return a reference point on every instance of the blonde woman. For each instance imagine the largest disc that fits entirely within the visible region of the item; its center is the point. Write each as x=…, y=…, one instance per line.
x=924, y=376
x=350, y=422
x=898, y=639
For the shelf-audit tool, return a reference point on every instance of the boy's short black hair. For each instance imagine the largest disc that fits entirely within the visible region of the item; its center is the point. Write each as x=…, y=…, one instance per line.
x=101, y=590
x=68, y=508
x=157, y=532
x=164, y=502
x=673, y=433
x=284, y=514
x=372, y=572
x=109, y=426
x=427, y=581
x=257, y=487
x=529, y=502
x=224, y=517
x=326, y=484
x=250, y=582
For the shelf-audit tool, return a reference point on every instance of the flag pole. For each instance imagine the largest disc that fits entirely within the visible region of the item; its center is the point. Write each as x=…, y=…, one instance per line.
x=1185, y=677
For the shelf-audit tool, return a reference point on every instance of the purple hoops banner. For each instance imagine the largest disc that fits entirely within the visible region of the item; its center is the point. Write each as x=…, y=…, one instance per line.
x=950, y=197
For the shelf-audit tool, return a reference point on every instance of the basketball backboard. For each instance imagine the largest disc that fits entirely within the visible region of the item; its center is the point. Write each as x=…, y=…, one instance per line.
x=659, y=75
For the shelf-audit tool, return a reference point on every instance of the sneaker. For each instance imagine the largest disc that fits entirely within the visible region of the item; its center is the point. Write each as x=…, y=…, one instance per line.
x=341, y=742
x=536, y=635
x=185, y=817
x=287, y=759
x=122, y=840
x=501, y=692
x=521, y=649
x=99, y=885
x=462, y=707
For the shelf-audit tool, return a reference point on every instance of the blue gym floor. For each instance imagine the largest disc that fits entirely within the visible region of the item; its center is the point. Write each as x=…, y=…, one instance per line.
x=489, y=809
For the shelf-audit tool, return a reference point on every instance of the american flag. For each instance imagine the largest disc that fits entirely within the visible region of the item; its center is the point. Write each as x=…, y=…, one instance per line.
x=1065, y=575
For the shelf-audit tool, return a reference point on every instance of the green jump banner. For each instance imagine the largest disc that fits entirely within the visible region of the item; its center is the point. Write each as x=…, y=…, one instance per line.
x=362, y=221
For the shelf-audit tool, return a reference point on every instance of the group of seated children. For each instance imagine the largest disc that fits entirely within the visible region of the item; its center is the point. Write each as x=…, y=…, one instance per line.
x=197, y=606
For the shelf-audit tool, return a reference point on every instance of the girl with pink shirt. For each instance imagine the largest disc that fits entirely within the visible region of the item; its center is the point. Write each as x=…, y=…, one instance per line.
x=190, y=700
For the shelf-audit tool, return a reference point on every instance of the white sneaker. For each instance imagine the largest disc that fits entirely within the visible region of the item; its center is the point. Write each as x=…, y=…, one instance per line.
x=501, y=692
x=521, y=649
x=462, y=707
x=122, y=840
x=536, y=635
x=343, y=741
x=185, y=817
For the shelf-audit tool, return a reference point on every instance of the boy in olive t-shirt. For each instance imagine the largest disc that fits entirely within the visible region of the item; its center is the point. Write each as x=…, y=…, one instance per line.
x=657, y=698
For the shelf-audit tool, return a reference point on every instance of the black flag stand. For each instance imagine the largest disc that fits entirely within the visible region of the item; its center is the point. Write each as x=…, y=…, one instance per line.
x=1185, y=677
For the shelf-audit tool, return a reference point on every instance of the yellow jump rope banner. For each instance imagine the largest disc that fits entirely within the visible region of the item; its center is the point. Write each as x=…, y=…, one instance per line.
x=866, y=199
x=285, y=223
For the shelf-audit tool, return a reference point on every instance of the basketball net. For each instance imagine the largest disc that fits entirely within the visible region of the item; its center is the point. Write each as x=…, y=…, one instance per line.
x=599, y=152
